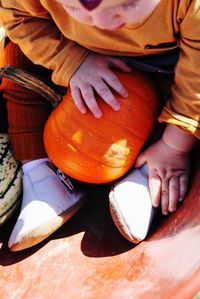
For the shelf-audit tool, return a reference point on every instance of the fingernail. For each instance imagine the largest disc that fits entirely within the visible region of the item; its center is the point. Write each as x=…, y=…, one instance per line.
x=165, y=213
x=117, y=107
x=172, y=210
x=83, y=111
x=98, y=115
x=154, y=205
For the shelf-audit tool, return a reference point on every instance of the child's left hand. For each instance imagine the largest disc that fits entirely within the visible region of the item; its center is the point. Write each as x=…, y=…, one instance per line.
x=168, y=174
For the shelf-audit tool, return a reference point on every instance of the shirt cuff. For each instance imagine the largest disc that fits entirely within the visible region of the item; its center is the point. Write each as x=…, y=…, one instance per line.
x=185, y=123
x=64, y=71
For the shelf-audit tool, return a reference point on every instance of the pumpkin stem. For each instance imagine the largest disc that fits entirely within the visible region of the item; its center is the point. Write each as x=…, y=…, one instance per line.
x=29, y=81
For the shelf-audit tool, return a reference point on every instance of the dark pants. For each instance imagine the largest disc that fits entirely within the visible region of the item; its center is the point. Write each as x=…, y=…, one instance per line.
x=156, y=64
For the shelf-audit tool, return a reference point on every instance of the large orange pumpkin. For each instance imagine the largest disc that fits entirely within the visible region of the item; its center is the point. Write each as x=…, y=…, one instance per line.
x=101, y=150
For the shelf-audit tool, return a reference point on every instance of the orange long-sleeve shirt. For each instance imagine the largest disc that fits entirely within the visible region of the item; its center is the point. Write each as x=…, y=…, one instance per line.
x=50, y=37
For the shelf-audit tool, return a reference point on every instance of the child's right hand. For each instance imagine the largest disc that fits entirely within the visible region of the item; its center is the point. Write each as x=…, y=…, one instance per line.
x=168, y=162
x=95, y=74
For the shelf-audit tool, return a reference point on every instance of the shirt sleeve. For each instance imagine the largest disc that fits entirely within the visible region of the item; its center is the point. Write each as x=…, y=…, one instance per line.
x=30, y=26
x=183, y=108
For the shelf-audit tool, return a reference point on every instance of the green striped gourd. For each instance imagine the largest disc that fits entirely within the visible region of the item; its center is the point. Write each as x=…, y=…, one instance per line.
x=10, y=180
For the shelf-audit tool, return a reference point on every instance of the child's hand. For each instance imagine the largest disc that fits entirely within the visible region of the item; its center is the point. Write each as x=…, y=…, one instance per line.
x=168, y=174
x=169, y=166
x=95, y=74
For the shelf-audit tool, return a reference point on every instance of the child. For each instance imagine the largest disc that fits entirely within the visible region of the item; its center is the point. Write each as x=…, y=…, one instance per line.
x=81, y=41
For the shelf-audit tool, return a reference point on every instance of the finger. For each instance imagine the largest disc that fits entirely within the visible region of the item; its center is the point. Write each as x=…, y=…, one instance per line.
x=119, y=64
x=105, y=93
x=165, y=196
x=112, y=80
x=90, y=101
x=141, y=160
x=183, y=181
x=155, y=188
x=174, y=193
x=76, y=95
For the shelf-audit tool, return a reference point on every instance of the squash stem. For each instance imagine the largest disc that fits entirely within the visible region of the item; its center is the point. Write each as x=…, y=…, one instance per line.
x=30, y=82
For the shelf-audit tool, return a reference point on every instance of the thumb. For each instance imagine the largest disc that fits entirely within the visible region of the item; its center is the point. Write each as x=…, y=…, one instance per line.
x=141, y=160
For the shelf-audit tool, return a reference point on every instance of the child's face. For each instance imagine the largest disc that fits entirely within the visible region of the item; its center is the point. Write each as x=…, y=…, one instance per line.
x=108, y=15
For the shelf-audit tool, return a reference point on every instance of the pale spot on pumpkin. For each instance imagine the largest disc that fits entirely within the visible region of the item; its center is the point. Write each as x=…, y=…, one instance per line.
x=77, y=137
x=71, y=147
x=117, y=153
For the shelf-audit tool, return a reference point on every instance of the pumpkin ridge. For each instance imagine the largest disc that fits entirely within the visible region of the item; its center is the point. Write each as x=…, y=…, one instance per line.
x=88, y=156
x=133, y=134
x=88, y=128
x=137, y=135
x=151, y=108
x=149, y=84
x=125, y=128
